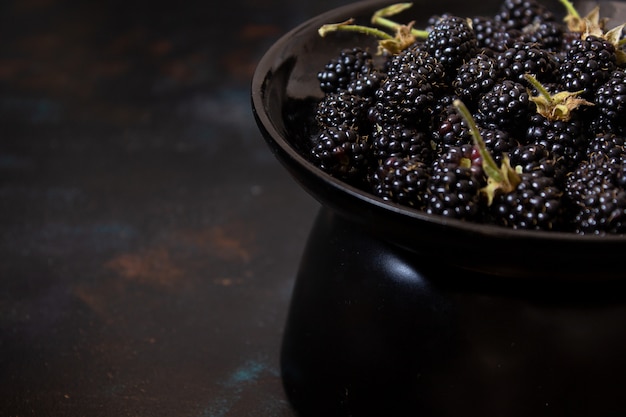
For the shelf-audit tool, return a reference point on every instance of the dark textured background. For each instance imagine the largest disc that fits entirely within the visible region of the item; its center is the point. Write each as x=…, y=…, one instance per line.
x=148, y=237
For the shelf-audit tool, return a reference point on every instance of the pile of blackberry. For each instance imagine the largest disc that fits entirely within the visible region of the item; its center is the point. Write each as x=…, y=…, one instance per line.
x=516, y=119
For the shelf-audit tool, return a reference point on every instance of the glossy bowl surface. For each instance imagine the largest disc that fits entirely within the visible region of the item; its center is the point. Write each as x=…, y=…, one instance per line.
x=285, y=80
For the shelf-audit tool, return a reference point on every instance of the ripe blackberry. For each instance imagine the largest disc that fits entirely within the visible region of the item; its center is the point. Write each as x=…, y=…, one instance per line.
x=474, y=78
x=419, y=60
x=405, y=97
x=588, y=64
x=610, y=100
x=534, y=204
x=341, y=152
x=536, y=157
x=492, y=35
x=506, y=106
x=344, y=68
x=547, y=35
x=597, y=195
x=402, y=180
x=342, y=108
x=518, y=14
x=452, y=41
x=498, y=142
x=523, y=58
x=449, y=129
x=366, y=84
x=397, y=139
x=565, y=140
x=610, y=144
x=453, y=190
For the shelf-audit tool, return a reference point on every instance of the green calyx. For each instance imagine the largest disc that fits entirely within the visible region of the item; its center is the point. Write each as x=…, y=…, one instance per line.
x=404, y=35
x=557, y=106
x=588, y=24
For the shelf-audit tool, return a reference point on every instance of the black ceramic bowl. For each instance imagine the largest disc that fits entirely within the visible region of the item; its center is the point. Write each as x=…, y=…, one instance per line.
x=396, y=312
x=286, y=76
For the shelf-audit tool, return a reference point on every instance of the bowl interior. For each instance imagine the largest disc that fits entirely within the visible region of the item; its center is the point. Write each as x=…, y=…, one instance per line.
x=284, y=89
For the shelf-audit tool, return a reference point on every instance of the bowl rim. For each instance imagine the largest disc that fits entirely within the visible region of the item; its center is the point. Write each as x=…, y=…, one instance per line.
x=265, y=68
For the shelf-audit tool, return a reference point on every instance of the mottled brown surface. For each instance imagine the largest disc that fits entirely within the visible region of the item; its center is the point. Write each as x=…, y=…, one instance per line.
x=149, y=239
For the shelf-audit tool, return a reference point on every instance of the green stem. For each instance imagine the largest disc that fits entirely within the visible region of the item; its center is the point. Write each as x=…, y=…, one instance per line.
x=379, y=18
x=542, y=90
x=489, y=165
x=570, y=8
x=347, y=27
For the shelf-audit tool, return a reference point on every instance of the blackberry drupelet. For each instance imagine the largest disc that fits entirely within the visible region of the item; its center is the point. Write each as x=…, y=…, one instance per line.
x=344, y=68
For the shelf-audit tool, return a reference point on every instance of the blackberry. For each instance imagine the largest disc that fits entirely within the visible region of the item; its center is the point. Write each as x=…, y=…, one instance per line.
x=344, y=68
x=342, y=108
x=547, y=35
x=452, y=41
x=610, y=100
x=506, y=106
x=453, y=189
x=397, y=139
x=417, y=59
x=498, y=142
x=402, y=180
x=534, y=204
x=492, y=35
x=527, y=58
x=474, y=78
x=597, y=195
x=405, y=97
x=518, y=14
x=366, y=84
x=341, y=152
x=536, y=157
x=449, y=129
x=610, y=144
x=588, y=64
x=566, y=140
x=557, y=124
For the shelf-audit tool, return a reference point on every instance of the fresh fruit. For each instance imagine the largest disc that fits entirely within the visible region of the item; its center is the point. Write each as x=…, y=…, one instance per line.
x=516, y=119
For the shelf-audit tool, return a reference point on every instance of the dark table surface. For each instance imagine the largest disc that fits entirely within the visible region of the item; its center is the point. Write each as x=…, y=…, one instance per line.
x=148, y=237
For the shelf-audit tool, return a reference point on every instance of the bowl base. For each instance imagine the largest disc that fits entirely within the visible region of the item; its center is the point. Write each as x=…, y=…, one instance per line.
x=373, y=330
